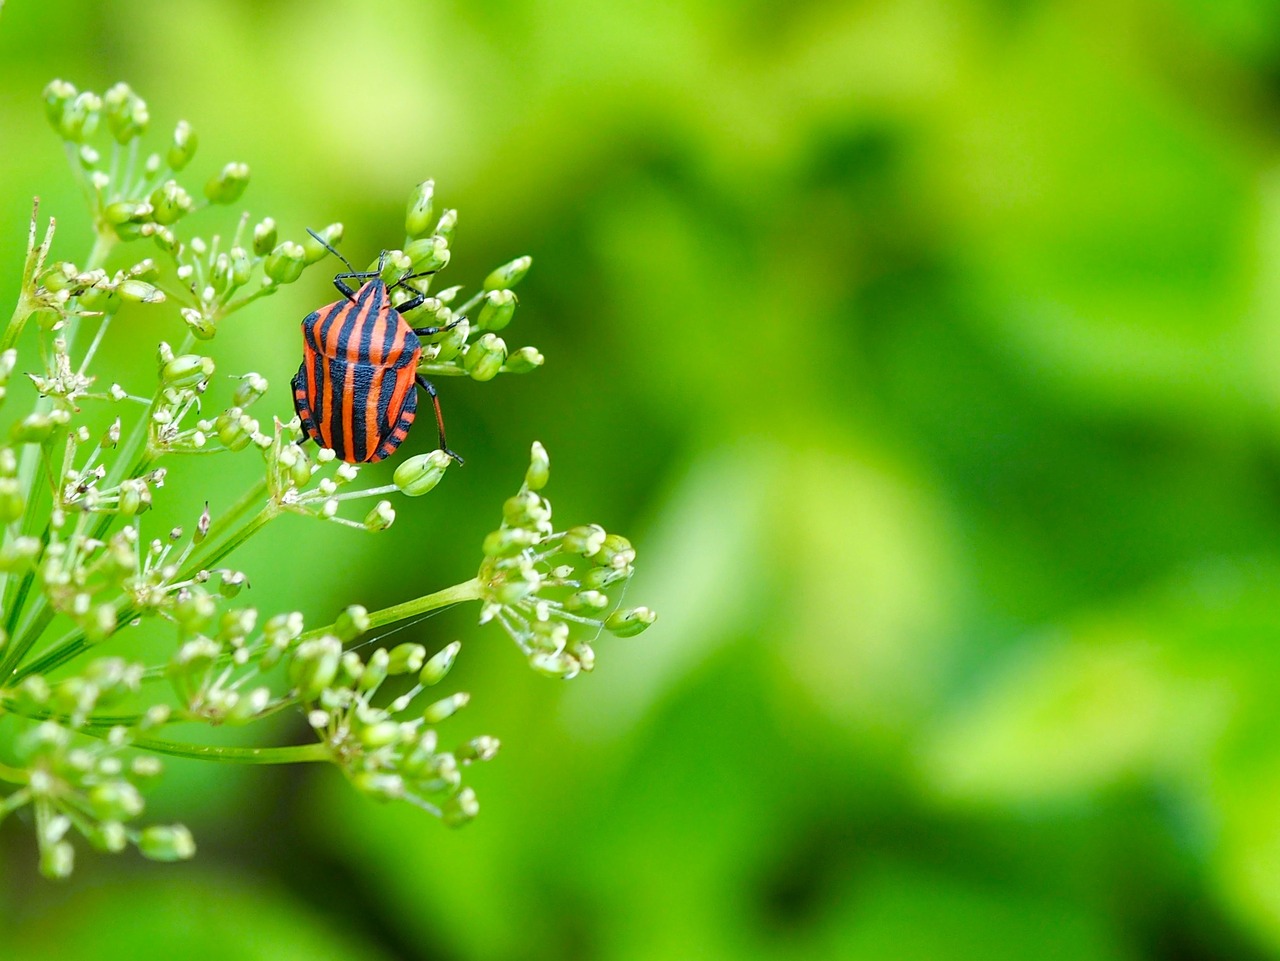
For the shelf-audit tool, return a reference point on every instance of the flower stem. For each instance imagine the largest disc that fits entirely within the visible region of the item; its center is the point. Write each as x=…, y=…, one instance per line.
x=296, y=754
x=466, y=591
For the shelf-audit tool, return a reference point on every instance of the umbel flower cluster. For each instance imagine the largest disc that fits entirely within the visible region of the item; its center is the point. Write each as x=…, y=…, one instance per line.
x=84, y=721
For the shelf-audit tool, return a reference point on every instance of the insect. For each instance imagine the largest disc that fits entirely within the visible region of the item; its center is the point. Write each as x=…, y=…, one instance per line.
x=356, y=391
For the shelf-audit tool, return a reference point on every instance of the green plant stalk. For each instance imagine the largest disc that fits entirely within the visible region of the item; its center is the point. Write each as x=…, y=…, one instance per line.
x=301, y=753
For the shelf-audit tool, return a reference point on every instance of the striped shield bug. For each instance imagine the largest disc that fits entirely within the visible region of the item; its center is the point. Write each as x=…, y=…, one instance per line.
x=356, y=391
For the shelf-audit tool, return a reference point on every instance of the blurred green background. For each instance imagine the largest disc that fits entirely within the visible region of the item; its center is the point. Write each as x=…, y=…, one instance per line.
x=927, y=349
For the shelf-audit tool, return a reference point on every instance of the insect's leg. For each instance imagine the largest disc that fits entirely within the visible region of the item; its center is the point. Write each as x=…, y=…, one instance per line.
x=340, y=281
x=435, y=401
x=419, y=297
x=428, y=331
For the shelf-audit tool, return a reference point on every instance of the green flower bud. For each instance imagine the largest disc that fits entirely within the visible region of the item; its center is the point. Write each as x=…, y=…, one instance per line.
x=514, y=586
x=351, y=623
x=57, y=860
x=446, y=707
x=186, y=371
x=629, y=622
x=194, y=610
x=109, y=836
x=238, y=623
x=101, y=299
x=461, y=808
x=125, y=212
x=508, y=275
x=234, y=430
x=135, y=497
x=167, y=843
x=12, y=503
x=61, y=275
x=139, y=292
x=252, y=386
x=601, y=577
x=126, y=112
x=375, y=670
x=314, y=666
x=395, y=264
x=584, y=654
x=498, y=309
x=300, y=468
x=615, y=551
x=80, y=116
x=18, y=554
x=248, y=706
x=406, y=659
x=183, y=147
x=549, y=636
x=482, y=748
x=589, y=601
x=447, y=224
x=314, y=250
x=524, y=360
x=57, y=95
x=283, y=628
x=226, y=186
x=554, y=664
x=193, y=658
x=241, y=266
x=384, y=787
x=264, y=237
x=381, y=517
x=539, y=472
x=438, y=666
x=171, y=203
x=484, y=358
x=422, y=472
x=526, y=509
x=115, y=801
x=453, y=340
x=352, y=668
x=417, y=219
x=428, y=253
x=509, y=541
x=33, y=429
x=286, y=263
x=381, y=734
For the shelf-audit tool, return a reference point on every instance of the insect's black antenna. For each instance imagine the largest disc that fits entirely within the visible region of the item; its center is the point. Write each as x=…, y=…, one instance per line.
x=408, y=277
x=331, y=250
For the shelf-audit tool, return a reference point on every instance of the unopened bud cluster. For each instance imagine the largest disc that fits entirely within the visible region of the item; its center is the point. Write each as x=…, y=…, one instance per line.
x=389, y=742
x=468, y=344
x=94, y=788
x=553, y=591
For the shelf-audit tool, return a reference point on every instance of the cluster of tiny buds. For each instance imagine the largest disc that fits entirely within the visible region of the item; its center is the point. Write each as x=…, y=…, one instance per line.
x=550, y=590
x=91, y=788
x=133, y=198
x=214, y=670
x=389, y=748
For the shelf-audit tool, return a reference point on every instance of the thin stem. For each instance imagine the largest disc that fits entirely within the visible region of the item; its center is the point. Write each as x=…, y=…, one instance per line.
x=466, y=591
x=297, y=754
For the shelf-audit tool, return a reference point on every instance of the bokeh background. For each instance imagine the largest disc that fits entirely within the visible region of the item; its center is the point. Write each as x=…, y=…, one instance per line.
x=929, y=350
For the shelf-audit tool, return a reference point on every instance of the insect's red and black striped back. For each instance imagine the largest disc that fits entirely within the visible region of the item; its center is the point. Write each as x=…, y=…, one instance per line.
x=355, y=391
